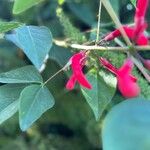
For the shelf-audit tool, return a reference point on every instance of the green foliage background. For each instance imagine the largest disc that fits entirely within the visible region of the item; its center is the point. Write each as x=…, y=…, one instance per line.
x=70, y=124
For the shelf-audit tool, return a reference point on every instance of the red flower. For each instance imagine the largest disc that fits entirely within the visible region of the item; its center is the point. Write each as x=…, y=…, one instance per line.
x=135, y=33
x=141, y=8
x=142, y=39
x=126, y=82
x=116, y=33
x=77, y=63
x=139, y=17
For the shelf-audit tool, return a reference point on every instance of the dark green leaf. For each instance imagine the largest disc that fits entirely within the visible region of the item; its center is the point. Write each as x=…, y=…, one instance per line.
x=22, y=5
x=34, y=101
x=8, y=58
x=27, y=74
x=9, y=95
x=126, y=126
x=85, y=13
x=36, y=42
x=103, y=90
x=7, y=26
x=60, y=55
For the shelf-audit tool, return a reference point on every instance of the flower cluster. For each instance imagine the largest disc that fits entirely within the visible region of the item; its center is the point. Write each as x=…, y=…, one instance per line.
x=136, y=32
x=126, y=82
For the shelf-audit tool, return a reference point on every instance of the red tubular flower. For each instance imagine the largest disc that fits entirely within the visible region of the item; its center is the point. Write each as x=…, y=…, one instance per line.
x=126, y=82
x=142, y=39
x=139, y=17
x=135, y=33
x=141, y=8
x=77, y=63
x=116, y=33
x=71, y=82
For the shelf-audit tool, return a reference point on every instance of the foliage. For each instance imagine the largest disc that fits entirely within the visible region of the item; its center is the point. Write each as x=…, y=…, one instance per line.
x=20, y=6
x=133, y=2
x=30, y=100
x=69, y=30
x=34, y=41
x=7, y=26
x=36, y=38
x=97, y=97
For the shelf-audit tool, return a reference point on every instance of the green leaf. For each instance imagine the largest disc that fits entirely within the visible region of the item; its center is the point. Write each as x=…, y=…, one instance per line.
x=133, y=2
x=101, y=94
x=85, y=14
x=34, y=101
x=7, y=26
x=27, y=74
x=9, y=59
x=9, y=111
x=36, y=42
x=60, y=55
x=9, y=95
x=22, y=5
x=126, y=126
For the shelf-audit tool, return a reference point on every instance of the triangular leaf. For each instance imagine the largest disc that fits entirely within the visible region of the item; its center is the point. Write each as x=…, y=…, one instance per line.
x=7, y=26
x=27, y=74
x=127, y=126
x=36, y=42
x=101, y=93
x=9, y=103
x=22, y=5
x=34, y=101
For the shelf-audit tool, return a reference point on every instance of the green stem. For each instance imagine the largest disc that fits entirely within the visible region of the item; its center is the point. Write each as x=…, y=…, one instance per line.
x=55, y=74
x=98, y=24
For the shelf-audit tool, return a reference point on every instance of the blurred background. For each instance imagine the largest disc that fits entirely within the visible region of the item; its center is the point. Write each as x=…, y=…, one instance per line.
x=70, y=124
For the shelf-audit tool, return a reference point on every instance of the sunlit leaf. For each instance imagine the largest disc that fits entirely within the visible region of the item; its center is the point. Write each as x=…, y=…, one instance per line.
x=22, y=5
x=133, y=2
